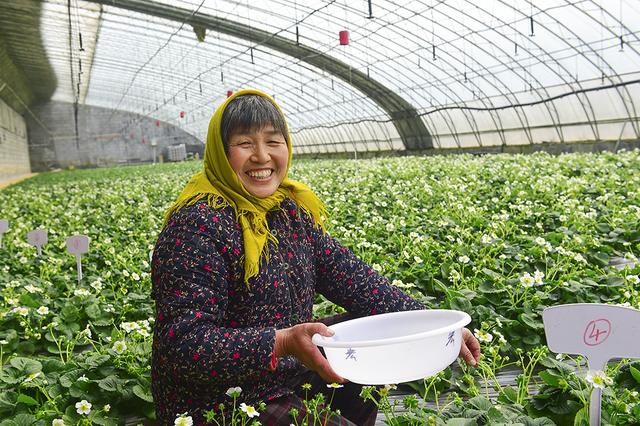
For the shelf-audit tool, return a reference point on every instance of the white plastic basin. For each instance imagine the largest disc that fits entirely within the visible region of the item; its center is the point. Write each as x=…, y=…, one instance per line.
x=395, y=347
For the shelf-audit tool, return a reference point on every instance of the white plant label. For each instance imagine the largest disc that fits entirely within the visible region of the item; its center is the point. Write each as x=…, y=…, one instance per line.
x=38, y=238
x=4, y=226
x=598, y=332
x=78, y=245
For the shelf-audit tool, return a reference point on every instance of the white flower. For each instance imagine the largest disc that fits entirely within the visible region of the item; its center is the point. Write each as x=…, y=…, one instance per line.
x=526, y=280
x=43, y=310
x=183, y=420
x=500, y=336
x=125, y=273
x=119, y=347
x=135, y=276
x=482, y=335
x=12, y=302
x=334, y=385
x=249, y=409
x=143, y=332
x=81, y=292
x=4, y=342
x=390, y=227
x=417, y=259
x=32, y=289
x=129, y=326
x=107, y=408
x=397, y=283
x=83, y=407
x=234, y=391
x=464, y=259
x=540, y=241
x=82, y=378
x=376, y=267
x=599, y=379
x=86, y=332
x=633, y=279
x=390, y=387
x=96, y=285
x=57, y=422
x=21, y=311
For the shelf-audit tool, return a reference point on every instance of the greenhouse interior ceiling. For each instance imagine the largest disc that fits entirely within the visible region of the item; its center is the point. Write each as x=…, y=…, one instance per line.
x=350, y=76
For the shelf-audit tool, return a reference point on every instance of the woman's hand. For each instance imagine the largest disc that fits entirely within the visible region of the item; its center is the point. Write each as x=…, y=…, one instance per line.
x=470, y=348
x=296, y=341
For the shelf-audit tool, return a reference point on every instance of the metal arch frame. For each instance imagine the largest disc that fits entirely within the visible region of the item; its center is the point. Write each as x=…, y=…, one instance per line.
x=468, y=116
x=555, y=120
x=634, y=124
x=410, y=126
x=593, y=122
x=500, y=128
x=298, y=84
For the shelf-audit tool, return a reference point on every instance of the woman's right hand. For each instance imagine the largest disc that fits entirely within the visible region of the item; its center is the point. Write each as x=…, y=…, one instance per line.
x=296, y=341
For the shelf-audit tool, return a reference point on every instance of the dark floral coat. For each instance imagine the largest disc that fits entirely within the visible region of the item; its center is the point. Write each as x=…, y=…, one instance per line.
x=213, y=333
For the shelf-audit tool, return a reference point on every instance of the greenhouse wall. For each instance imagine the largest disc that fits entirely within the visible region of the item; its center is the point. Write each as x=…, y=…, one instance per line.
x=14, y=153
x=590, y=115
x=104, y=137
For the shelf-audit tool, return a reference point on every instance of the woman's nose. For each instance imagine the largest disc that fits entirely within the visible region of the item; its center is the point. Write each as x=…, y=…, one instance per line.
x=260, y=154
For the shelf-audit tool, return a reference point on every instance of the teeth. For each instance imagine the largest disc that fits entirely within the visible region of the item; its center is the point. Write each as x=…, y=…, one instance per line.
x=260, y=174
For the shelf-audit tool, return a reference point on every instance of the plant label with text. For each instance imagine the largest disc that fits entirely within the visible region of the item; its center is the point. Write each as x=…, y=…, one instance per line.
x=78, y=244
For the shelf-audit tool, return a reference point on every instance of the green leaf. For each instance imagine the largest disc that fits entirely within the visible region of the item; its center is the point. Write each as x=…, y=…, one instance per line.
x=11, y=376
x=531, y=321
x=93, y=310
x=635, y=373
x=461, y=421
x=582, y=417
x=142, y=393
x=461, y=304
x=24, y=419
x=508, y=395
x=96, y=360
x=550, y=378
x=27, y=400
x=69, y=378
x=8, y=401
x=25, y=365
x=481, y=403
x=111, y=384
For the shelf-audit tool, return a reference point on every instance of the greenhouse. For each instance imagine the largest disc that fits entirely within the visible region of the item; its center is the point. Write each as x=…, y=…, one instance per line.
x=321, y=212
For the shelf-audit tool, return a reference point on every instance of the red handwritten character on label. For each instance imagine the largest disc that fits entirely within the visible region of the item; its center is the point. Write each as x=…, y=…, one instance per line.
x=596, y=332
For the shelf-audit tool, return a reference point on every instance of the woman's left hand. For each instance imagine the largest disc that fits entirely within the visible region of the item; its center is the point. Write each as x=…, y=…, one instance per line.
x=470, y=348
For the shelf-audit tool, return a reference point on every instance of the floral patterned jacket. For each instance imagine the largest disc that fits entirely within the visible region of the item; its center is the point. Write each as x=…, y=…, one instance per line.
x=212, y=332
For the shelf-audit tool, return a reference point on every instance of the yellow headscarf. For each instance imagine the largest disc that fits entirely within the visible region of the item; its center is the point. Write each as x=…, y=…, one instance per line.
x=219, y=181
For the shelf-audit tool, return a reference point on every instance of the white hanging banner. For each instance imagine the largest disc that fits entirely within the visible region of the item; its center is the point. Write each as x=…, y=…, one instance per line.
x=78, y=245
x=597, y=331
x=4, y=226
x=38, y=238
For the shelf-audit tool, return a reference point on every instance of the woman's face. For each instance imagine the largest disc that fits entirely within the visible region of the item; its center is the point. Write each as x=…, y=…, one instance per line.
x=260, y=159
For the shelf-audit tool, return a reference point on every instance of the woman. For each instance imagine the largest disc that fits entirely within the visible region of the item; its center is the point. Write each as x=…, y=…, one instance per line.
x=235, y=272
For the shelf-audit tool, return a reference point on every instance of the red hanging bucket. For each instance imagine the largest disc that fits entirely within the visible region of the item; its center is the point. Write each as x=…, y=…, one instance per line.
x=344, y=37
x=182, y=113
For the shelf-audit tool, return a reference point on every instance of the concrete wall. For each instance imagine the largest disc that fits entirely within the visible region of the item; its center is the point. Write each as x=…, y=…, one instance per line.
x=14, y=153
x=105, y=137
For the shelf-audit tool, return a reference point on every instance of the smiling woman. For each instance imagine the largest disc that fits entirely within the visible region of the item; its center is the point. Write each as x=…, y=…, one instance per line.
x=235, y=273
